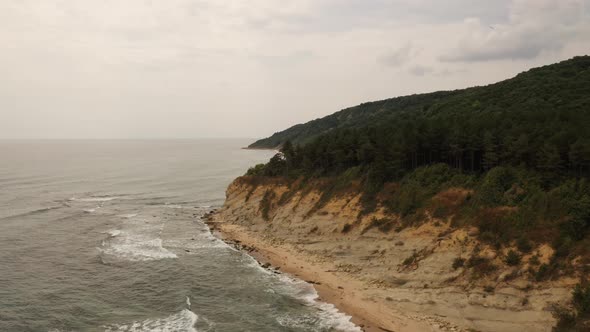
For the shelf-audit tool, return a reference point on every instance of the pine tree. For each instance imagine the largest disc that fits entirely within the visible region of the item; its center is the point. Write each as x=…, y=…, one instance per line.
x=548, y=158
x=579, y=155
x=490, y=156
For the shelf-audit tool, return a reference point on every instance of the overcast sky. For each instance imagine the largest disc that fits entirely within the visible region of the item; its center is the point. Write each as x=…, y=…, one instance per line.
x=248, y=68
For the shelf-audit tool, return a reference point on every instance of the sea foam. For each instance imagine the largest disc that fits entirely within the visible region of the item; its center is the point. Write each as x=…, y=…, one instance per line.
x=135, y=247
x=183, y=321
x=327, y=317
x=138, y=239
x=94, y=199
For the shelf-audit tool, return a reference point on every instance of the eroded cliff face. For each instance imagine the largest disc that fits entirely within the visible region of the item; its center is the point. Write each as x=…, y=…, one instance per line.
x=427, y=269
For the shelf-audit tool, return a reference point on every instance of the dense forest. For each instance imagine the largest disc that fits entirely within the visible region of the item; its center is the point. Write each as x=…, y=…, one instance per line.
x=538, y=120
x=561, y=87
x=520, y=146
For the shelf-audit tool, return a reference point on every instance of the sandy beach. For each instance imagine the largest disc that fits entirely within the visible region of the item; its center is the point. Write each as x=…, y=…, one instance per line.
x=347, y=294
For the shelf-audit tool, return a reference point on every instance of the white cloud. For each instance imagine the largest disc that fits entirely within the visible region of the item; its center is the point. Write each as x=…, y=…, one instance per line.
x=400, y=56
x=534, y=27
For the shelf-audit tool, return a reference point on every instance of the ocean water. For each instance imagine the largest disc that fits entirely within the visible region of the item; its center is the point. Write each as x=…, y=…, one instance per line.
x=108, y=236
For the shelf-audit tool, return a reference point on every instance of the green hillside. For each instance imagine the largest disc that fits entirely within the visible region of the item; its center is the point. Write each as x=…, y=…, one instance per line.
x=563, y=86
x=520, y=148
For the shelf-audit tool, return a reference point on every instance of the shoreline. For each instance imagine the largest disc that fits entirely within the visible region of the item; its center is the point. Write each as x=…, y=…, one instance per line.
x=261, y=149
x=345, y=293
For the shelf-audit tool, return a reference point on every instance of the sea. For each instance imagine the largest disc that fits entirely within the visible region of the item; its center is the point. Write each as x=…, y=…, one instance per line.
x=108, y=235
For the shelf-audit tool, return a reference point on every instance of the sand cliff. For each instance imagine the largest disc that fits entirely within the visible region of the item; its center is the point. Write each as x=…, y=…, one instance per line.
x=390, y=278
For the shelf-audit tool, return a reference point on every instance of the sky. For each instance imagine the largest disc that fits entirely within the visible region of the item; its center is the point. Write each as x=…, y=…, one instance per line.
x=229, y=68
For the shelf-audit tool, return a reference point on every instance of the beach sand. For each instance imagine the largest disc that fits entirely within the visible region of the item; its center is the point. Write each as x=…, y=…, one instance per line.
x=347, y=294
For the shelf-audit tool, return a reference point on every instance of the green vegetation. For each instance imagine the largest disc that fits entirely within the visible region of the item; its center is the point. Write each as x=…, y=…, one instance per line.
x=513, y=258
x=577, y=318
x=346, y=228
x=265, y=204
x=516, y=153
x=384, y=225
x=458, y=263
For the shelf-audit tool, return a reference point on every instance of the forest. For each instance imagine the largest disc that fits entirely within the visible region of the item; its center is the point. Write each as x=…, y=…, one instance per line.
x=537, y=121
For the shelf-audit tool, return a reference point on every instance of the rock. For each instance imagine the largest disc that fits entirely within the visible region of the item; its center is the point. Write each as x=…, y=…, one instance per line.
x=265, y=265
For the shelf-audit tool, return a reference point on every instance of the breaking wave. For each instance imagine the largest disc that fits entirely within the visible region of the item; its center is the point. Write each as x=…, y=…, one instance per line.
x=135, y=247
x=183, y=321
x=94, y=199
x=328, y=316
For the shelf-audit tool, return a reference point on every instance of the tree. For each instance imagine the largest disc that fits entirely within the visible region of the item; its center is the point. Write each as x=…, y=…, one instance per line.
x=548, y=158
x=579, y=155
x=490, y=156
x=276, y=166
x=289, y=154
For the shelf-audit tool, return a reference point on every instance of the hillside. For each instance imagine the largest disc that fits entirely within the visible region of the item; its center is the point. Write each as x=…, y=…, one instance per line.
x=430, y=277
x=564, y=86
x=520, y=149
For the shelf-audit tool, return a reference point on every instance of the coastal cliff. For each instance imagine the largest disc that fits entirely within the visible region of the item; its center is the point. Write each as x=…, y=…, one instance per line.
x=428, y=276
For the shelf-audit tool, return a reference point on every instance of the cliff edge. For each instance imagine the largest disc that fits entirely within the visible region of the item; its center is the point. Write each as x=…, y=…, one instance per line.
x=429, y=276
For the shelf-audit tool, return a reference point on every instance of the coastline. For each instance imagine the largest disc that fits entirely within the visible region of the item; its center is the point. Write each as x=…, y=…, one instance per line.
x=345, y=293
x=262, y=149
x=398, y=280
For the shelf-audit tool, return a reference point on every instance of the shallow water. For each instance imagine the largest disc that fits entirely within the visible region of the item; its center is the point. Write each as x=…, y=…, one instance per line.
x=108, y=236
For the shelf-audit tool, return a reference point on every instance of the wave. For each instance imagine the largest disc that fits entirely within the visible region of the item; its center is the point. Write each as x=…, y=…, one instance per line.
x=114, y=232
x=128, y=215
x=328, y=317
x=135, y=247
x=94, y=199
x=32, y=212
x=183, y=321
x=92, y=210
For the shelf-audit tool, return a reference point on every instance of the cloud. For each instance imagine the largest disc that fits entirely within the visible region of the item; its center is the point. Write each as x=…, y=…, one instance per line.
x=190, y=68
x=400, y=56
x=534, y=27
x=420, y=70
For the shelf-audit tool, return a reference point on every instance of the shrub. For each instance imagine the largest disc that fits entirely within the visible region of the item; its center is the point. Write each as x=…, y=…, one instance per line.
x=581, y=299
x=410, y=260
x=346, y=228
x=384, y=225
x=265, y=204
x=257, y=170
x=489, y=289
x=544, y=272
x=458, y=262
x=480, y=265
x=496, y=182
x=524, y=245
x=513, y=258
x=577, y=318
